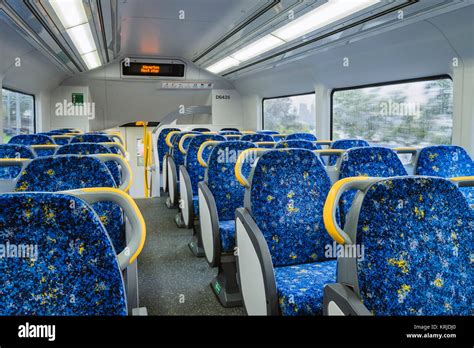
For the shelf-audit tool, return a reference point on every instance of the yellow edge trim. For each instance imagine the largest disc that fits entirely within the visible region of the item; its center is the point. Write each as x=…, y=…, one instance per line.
x=248, y=132
x=462, y=178
x=44, y=146
x=405, y=149
x=201, y=150
x=135, y=209
x=329, y=223
x=15, y=159
x=264, y=143
x=208, y=133
x=168, y=137
x=181, y=142
x=129, y=169
x=238, y=165
x=232, y=136
x=330, y=151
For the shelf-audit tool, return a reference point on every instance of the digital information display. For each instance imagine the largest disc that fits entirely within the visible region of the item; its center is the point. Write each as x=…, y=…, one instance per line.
x=152, y=69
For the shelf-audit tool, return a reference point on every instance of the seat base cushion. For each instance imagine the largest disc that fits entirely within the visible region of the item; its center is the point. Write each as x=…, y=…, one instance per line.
x=300, y=288
x=227, y=232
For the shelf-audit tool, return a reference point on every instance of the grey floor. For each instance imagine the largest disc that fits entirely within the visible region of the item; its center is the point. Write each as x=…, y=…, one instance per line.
x=172, y=281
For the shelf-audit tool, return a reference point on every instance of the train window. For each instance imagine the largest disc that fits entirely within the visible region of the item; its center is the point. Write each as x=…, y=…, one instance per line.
x=290, y=114
x=18, y=113
x=409, y=113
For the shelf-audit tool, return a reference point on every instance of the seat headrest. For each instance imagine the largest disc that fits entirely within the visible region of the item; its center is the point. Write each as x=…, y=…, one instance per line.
x=344, y=144
x=67, y=264
x=417, y=238
x=31, y=139
x=301, y=136
x=82, y=149
x=15, y=151
x=257, y=137
x=445, y=161
x=91, y=138
x=297, y=144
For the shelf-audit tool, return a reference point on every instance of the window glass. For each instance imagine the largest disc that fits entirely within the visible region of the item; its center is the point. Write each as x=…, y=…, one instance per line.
x=18, y=114
x=290, y=114
x=417, y=113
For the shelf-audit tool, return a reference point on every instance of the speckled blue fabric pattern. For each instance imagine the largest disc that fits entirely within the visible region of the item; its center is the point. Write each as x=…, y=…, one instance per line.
x=31, y=139
x=62, y=141
x=447, y=162
x=196, y=205
x=230, y=133
x=345, y=144
x=227, y=233
x=91, y=138
x=68, y=172
x=297, y=144
x=39, y=152
x=195, y=170
x=13, y=151
x=227, y=191
x=300, y=288
x=177, y=155
x=256, y=137
x=367, y=161
x=269, y=132
x=288, y=192
x=162, y=146
x=92, y=149
x=301, y=136
x=417, y=234
x=76, y=271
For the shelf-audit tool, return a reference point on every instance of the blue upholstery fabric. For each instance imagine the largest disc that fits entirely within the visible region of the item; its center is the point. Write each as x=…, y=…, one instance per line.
x=68, y=172
x=201, y=130
x=447, y=162
x=227, y=233
x=13, y=151
x=300, y=288
x=76, y=270
x=65, y=130
x=287, y=195
x=301, y=136
x=297, y=144
x=92, y=149
x=40, y=152
x=367, y=161
x=195, y=170
x=269, y=132
x=31, y=139
x=227, y=191
x=196, y=205
x=62, y=141
x=417, y=235
x=177, y=155
x=230, y=132
x=162, y=147
x=345, y=144
x=257, y=137
x=91, y=138
x=266, y=145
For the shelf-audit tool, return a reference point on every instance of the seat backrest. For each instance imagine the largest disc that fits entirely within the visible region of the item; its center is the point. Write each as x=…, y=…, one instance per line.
x=92, y=149
x=287, y=193
x=68, y=172
x=257, y=137
x=200, y=130
x=91, y=138
x=345, y=144
x=297, y=144
x=230, y=132
x=220, y=177
x=68, y=265
x=195, y=170
x=31, y=139
x=269, y=132
x=13, y=151
x=161, y=144
x=367, y=161
x=301, y=136
x=417, y=247
x=176, y=154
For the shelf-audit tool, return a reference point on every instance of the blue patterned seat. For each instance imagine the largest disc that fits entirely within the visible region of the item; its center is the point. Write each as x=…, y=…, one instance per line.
x=297, y=144
x=71, y=268
x=345, y=144
x=200, y=130
x=301, y=136
x=228, y=193
x=367, y=161
x=31, y=139
x=257, y=137
x=287, y=195
x=13, y=151
x=418, y=247
x=195, y=171
x=269, y=132
x=92, y=149
x=230, y=132
x=67, y=172
x=91, y=138
x=161, y=144
x=447, y=162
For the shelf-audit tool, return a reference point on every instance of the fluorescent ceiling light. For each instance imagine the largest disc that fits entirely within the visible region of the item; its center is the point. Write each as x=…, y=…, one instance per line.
x=70, y=12
x=223, y=65
x=92, y=60
x=260, y=46
x=323, y=15
x=82, y=38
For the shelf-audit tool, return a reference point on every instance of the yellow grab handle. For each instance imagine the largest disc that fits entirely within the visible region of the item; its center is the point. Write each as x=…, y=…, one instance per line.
x=241, y=160
x=168, y=137
x=205, y=144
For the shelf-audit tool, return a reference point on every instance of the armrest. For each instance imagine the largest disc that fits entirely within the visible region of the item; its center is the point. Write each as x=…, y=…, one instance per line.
x=254, y=267
x=133, y=214
x=209, y=221
x=339, y=299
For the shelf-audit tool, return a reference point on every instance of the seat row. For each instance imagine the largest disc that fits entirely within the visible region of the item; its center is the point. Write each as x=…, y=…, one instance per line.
x=282, y=212
x=73, y=209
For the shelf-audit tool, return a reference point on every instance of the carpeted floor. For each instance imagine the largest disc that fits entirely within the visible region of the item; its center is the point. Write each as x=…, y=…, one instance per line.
x=172, y=281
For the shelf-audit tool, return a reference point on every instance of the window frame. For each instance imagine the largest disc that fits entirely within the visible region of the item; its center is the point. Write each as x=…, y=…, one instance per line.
x=34, y=104
x=285, y=96
x=380, y=84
